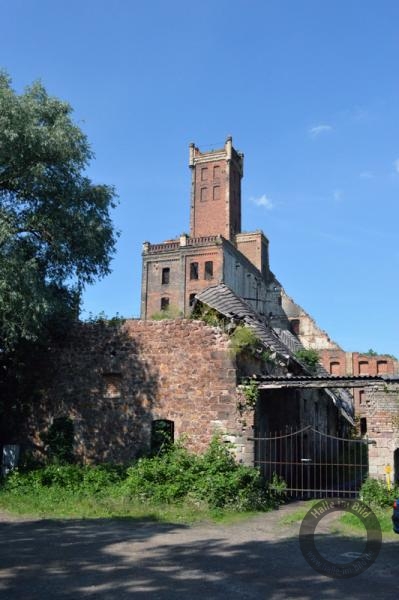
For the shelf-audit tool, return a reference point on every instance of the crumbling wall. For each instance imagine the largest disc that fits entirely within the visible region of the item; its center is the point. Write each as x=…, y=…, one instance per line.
x=114, y=381
x=381, y=412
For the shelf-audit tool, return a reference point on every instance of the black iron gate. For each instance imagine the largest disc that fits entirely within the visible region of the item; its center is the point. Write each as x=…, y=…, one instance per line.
x=313, y=464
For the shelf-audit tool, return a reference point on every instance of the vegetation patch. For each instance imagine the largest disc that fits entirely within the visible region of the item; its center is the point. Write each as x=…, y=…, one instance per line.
x=309, y=357
x=174, y=485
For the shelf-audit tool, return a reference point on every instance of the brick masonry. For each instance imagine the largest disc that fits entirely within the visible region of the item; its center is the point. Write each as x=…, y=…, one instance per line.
x=381, y=411
x=114, y=381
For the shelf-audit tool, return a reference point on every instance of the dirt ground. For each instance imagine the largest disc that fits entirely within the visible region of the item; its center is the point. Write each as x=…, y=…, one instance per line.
x=120, y=559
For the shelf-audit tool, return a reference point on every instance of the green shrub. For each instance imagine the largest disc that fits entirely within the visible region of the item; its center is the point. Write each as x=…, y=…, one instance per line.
x=176, y=476
x=309, y=357
x=59, y=440
x=376, y=493
x=164, y=478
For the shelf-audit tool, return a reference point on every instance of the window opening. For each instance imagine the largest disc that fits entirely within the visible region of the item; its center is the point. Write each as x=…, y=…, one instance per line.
x=194, y=270
x=162, y=435
x=209, y=269
x=164, y=303
x=165, y=275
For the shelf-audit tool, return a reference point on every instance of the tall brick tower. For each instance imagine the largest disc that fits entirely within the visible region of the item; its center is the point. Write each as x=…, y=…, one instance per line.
x=216, y=251
x=216, y=191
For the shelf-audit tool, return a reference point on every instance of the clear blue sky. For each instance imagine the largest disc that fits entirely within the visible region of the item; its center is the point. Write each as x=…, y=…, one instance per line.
x=309, y=90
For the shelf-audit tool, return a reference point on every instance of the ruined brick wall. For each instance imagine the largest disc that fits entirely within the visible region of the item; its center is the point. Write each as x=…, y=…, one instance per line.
x=114, y=381
x=381, y=411
x=340, y=363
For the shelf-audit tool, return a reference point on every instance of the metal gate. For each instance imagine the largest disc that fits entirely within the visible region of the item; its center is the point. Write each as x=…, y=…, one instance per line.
x=313, y=464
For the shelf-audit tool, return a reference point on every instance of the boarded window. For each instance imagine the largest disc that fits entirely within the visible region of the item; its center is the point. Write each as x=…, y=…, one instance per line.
x=216, y=192
x=363, y=367
x=194, y=270
x=164, y=303
x=165, y=275
x=209, y=269
x=216, y=172
x=112, y=385
x=295, y=323
x=204, y=173
x=335, y=368
x=382, y=366
x=204, y=194
x=162, y=435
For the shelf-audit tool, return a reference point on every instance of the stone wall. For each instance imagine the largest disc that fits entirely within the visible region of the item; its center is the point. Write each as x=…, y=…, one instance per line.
x=114, y=381
x=381, y=412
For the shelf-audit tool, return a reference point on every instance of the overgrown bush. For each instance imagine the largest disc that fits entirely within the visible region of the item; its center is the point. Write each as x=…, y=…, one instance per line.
x=176, y=476
x=375, y=492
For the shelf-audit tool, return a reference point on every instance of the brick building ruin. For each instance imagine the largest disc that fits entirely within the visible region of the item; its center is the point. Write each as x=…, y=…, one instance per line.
x=118, y=381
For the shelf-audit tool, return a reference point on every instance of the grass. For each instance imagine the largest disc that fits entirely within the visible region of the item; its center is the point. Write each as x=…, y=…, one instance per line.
x=56, y=504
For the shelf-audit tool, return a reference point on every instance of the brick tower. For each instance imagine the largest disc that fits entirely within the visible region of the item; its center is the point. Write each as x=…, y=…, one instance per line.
x=216, y=251
x=216, y=191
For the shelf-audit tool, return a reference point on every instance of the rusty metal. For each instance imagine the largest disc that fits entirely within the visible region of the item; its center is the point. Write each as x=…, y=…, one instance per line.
x=313, y=464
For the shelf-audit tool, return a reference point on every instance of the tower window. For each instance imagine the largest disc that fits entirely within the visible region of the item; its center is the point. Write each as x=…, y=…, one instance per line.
x=194, y=270
x=204, y=173
x=209, y=269
x=216, y=172
x=204, y=194
x=216, y=192
x=165, y=275
x=164, y=303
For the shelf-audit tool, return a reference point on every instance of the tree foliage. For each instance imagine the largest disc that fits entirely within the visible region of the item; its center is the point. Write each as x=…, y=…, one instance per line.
x=56, y=234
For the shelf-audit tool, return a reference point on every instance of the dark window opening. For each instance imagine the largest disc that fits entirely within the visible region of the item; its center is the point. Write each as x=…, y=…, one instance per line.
x=209, y=269
x=295, y=326
x=191, y=299
x=363, y=426
x=165, y=275
x=164, y=303
x=194, y=270
x=162, y=435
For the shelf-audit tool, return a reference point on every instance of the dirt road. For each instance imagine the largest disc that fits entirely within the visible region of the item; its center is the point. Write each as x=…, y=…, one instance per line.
x=125, y=559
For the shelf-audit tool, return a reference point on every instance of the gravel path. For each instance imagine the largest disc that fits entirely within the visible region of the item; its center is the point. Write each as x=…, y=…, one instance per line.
x=122, y=559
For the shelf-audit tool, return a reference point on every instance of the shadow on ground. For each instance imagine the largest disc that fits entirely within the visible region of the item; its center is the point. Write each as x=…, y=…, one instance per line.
x=120, y=559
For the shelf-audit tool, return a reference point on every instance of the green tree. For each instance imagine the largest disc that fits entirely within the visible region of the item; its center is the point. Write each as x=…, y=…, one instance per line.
x=56, y=234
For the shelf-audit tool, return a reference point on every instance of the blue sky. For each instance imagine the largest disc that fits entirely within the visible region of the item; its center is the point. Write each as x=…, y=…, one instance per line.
x=309, y=91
